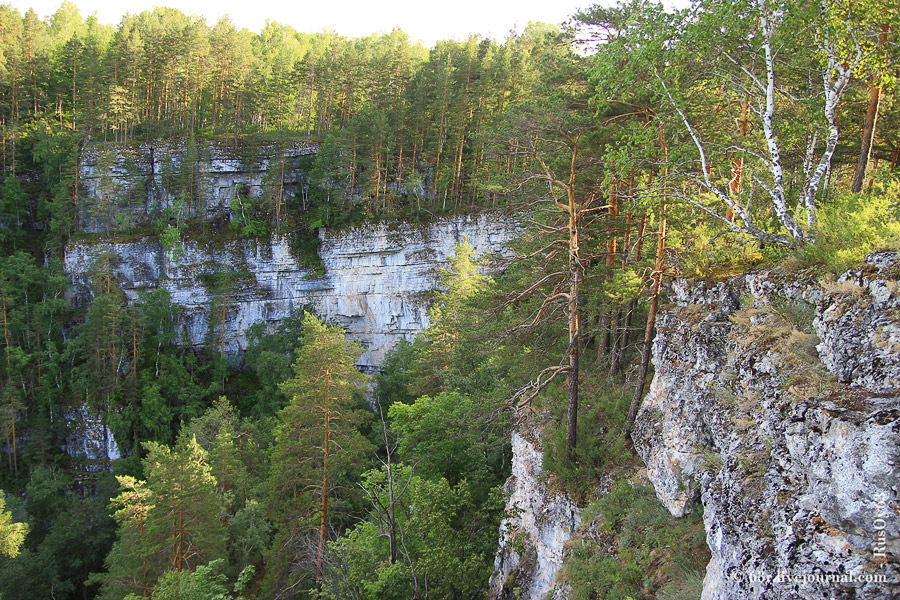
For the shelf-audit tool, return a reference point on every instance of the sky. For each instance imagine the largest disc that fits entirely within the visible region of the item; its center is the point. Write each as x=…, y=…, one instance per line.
x=425, y=20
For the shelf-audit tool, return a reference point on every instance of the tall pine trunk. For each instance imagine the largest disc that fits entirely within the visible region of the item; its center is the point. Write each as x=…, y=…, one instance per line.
x=868, y=133
x=651, y=323
x=574, y=330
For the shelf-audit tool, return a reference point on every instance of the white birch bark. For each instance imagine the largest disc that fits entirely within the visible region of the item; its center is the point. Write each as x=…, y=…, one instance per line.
x=779, y=201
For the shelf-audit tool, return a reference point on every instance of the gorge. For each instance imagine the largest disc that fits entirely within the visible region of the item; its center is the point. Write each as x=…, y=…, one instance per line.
x=606, y=310
x=773, y=406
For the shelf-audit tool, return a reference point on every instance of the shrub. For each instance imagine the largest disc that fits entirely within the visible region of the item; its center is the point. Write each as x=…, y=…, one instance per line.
x=654, y=553
x=706, y=253
x=850, y=228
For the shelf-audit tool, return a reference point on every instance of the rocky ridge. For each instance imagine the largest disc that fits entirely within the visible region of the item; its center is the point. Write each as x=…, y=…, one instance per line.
x=775, y=406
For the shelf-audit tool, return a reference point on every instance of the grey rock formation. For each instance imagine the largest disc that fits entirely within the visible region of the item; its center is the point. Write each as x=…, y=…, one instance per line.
x=377, y=282
x=775, y=405
x=88, y=439
x=533, y=536
x=129, y=184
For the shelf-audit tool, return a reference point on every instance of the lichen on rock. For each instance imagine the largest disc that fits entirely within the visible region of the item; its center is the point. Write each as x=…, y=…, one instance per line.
x=787, y=433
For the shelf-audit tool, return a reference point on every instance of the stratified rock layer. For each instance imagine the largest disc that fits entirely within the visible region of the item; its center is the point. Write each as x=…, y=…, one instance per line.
x=533, y=536
x=377, y=282
x=775, y=405
x=127, y=184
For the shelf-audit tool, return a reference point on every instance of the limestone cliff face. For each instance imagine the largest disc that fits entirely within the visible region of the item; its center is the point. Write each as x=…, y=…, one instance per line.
x=88, y=440
x=377, y=281
x=533, y=536
x=129, y=184
x=775, y=405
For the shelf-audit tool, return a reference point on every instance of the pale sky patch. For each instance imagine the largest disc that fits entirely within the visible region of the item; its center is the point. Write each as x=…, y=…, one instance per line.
x=421, y=19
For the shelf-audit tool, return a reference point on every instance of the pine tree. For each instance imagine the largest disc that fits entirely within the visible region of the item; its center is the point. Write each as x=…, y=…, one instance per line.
x=168, y=523
x=187, y=509
x=11, y=534
x=133, y=559
x=318, y=440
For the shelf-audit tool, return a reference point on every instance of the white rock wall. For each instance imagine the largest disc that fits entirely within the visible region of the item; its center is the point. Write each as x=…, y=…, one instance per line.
x=533, y=536
x=88, y=438
x=127, y=184
x=377, y=283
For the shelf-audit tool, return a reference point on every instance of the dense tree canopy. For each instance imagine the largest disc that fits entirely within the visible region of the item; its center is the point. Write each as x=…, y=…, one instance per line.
x=633, y=145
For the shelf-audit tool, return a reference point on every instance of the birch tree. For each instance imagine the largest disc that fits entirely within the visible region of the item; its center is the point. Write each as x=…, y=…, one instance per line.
x=786, y=62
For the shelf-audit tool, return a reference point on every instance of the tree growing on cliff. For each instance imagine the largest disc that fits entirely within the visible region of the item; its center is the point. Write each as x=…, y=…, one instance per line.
x=553, y=136
x=717, y=55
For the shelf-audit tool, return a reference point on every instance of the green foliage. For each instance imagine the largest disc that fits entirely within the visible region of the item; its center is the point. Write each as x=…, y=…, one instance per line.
x=444, y=542
x=186, y=507
x=452, y=436
x=247, y=218
x=12, y=212
x=397, y=380
x=707, y=255
x=249, y=534
x=404, y=132
x=319, y=450
x=603, y=447
x=170, y=238
x=655, y=551
x=850, y=227
x=59, y=554
x=170, y=522
x=269, y=355
x=12, y=534
x=799, y=313
x=206, y=582
x=305, y=246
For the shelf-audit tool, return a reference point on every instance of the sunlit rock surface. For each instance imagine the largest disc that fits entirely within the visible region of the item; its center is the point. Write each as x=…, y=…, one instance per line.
x=775, y=406
x=534, y=534
x=378, y=278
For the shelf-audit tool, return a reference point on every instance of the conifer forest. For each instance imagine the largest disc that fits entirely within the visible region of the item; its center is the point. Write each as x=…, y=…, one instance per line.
x=172, y=428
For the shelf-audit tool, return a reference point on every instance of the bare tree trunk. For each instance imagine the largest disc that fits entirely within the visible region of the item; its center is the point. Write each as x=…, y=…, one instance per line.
x=574, y=331
x=615, y=351
x=603, y=344
x=626, y=330
x=651, y=323
x=868, y=133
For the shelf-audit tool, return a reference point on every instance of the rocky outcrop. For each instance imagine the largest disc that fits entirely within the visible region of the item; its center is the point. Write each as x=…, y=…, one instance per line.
x=88, y=439
x=377, y=281
x=533, y=536
x=775, y=406
x=124, y=185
